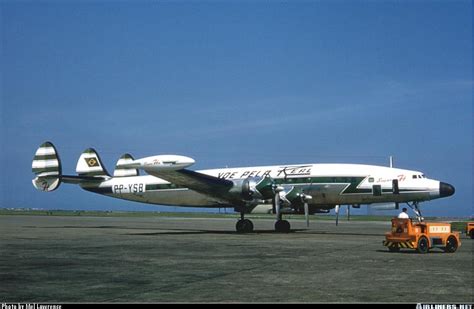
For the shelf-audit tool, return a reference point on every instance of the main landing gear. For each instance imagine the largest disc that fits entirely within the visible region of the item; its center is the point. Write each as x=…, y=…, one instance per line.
x=246, y=226
x=282, y=226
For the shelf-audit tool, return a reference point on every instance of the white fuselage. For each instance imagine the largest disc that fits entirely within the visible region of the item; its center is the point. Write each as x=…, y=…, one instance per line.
x=328, y=184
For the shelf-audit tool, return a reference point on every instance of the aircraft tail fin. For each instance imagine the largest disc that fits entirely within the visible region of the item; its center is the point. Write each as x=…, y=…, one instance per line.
x=90, y=165
x=121, y=170
x=46, y=166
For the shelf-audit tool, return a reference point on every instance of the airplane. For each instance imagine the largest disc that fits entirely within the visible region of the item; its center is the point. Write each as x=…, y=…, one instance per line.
x=285, y=189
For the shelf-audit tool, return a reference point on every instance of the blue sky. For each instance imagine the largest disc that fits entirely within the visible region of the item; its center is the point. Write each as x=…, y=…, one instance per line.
x=237, y=83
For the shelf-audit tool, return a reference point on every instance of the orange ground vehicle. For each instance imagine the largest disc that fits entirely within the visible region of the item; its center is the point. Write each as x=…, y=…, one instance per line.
x=470, y=229
x=421, y=236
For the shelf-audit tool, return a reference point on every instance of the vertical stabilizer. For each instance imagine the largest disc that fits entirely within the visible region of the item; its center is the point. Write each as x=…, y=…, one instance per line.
x=90, y=165
x=47, y=167
x=121, y=170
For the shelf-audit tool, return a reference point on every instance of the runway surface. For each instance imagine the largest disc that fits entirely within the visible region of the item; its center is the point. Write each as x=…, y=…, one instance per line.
x=161, y=259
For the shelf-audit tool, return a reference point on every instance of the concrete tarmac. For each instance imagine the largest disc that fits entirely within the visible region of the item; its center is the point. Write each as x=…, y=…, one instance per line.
x=168, y=259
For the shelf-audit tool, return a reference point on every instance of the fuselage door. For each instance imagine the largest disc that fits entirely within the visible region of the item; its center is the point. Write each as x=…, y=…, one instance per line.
x=395, y=188
x=377, y=190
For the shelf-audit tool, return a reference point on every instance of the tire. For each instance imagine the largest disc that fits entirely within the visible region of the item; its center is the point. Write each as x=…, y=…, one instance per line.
x=244, y=226
x=451, y=244
x=394, y=248
x=248, y=226
x=423, y=245
x=472, y=234
x=239, y=226
x=282, y=226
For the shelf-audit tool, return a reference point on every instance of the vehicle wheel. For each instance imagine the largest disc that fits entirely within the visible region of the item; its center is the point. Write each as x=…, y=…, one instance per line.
x=394, y=248
x=472, y=234
x=282, y=226
x=451, y=244
x=423, y=246
x=244, y=226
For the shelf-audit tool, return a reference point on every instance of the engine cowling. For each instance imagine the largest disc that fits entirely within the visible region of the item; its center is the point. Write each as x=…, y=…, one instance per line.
x=295, y=197
x=256, y=188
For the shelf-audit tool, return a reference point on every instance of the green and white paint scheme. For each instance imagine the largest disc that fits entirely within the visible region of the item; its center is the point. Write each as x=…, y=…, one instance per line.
x=281, y=189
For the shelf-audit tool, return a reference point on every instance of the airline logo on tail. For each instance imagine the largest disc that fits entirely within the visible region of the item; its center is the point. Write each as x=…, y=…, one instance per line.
x=91, y=162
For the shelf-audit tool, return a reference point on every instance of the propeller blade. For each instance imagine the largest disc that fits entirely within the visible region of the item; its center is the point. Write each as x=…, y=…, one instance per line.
x=337, y=214
x=306, y=213
x=277, y=205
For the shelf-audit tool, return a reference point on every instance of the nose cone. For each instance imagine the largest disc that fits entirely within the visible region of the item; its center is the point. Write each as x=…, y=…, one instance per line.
x=445, y=189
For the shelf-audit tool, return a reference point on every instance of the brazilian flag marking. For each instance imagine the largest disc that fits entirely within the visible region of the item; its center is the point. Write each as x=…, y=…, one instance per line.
x=92, y=162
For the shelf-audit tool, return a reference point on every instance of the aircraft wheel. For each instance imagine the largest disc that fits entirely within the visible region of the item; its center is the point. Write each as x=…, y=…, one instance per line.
x=244, y=226
x=451, y=244
x=282, y=226
x=423, y=246
x=472, y=234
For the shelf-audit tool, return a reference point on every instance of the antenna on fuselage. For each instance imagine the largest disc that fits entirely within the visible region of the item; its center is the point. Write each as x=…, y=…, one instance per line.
x=391, y=161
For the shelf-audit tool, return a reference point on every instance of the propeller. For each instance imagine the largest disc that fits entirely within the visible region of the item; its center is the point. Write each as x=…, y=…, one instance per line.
x=276, y=199
x=337, y=214
x=305, y=198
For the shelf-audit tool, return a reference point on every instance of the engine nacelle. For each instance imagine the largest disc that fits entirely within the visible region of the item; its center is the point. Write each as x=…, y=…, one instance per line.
x=255, y=188
x=295, y=198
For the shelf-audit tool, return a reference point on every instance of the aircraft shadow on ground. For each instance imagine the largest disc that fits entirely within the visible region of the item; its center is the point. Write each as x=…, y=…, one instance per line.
x=182, y=231
x=256, y=232
x=196, y=232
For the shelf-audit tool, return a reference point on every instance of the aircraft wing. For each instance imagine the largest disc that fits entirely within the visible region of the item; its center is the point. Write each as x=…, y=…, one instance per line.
x=172, y=168
x=202, y=183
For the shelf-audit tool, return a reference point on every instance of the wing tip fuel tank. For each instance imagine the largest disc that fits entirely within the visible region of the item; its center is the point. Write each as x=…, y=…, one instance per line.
x=161, y=162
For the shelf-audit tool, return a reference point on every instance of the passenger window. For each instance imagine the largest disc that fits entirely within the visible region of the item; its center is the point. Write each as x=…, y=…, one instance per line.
x=371, y=179
x=414, y=177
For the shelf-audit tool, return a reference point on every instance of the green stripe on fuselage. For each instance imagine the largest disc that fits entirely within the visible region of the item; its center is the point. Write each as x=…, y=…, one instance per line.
x=353, y=182
x=163, y=187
